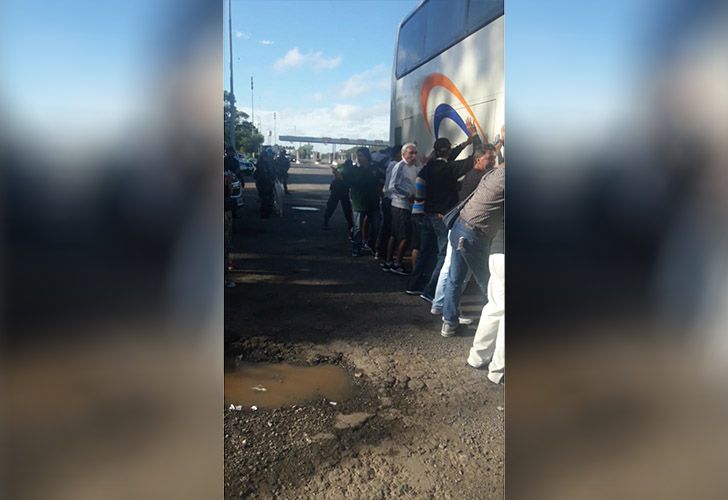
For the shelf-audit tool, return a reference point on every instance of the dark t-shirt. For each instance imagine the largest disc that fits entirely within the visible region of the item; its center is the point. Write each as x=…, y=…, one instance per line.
x=282, y=165
x=365, y=183
x=441, y=179
x=468, y=184
x=232, y=164
x=264, y=172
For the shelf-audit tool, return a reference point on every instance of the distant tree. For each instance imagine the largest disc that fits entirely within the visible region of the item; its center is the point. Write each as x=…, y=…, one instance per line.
x=247, y=137
x=306, y=151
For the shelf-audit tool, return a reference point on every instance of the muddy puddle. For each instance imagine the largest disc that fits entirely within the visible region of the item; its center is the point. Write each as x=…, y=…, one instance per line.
x=268, y=385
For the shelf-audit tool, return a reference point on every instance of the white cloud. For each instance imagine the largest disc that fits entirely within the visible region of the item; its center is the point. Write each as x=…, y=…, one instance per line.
x=317, y=96
x=266, y=42
x=346, y=111
x=294, y=58
x=242, y=34
x=366, y=81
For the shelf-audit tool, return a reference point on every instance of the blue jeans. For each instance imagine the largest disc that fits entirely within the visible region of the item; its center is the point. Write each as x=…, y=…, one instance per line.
x=374, y=218
x=427, y=254
x=444, y=272
x=441, y=232
x=474, y=256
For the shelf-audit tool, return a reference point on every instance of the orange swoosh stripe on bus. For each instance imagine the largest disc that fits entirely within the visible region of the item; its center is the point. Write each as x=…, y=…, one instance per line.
x=439, y=80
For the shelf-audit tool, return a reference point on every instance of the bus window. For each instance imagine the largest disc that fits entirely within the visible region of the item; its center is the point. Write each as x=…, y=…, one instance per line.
x=481, y=12
x=411, y=49
x=445, y=25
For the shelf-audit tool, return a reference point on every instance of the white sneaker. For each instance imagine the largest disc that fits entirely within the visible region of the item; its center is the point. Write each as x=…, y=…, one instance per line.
x=436, y=311
x=448, y=329
x=465, y=321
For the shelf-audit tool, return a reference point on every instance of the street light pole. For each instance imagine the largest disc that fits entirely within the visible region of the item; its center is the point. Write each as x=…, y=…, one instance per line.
x=275, y=137
x=233, y=110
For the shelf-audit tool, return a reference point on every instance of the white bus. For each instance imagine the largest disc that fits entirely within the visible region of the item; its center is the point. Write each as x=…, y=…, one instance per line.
x=448, y=66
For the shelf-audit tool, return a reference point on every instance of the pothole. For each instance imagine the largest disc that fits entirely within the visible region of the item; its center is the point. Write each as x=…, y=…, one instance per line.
x=274, y=385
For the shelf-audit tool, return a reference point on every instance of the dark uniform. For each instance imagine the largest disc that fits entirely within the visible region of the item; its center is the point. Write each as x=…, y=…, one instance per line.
x=282, y=165
x=265, y=176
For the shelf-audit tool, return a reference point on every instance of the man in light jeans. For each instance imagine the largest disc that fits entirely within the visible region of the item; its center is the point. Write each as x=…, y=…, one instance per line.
x=484, y=162
x=473, y=237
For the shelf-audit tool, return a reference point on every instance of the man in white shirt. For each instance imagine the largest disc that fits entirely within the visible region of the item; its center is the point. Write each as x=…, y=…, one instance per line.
x=402, y=189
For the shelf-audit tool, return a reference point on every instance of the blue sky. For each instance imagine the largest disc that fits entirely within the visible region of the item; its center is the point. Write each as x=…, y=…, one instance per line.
x=324, y=67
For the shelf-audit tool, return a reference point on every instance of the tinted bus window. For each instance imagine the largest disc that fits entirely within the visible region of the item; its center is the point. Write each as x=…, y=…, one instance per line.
x=481, y=12
x=411, y=48
x=445, y=24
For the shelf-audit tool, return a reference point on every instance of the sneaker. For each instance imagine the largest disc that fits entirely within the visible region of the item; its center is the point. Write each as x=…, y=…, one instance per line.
x=367, y=248
x=230, y=284
x=426, y=298
x=398, y=269
x=436, y=311
x=465, y=321
x=448, y=329
x=354, y=253
x=386, y=266
x=413, y=292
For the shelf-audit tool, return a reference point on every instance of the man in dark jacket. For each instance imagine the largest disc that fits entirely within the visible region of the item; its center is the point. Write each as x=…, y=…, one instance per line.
x=265, y=177
x=339, y=193
x=282, y=165
x=437, y=189
x=233, y=165
x=365, y=183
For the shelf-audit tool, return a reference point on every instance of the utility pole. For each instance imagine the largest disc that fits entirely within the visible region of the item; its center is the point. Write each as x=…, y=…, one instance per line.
x=275, y=137
x=233, y=110
x=252, y=105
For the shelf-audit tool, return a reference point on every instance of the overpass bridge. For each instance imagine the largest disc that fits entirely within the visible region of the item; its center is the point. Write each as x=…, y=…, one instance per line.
x=334, y=141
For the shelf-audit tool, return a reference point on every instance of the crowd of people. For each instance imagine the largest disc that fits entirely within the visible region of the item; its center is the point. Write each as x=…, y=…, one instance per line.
x=269, y=171
x=447, y=213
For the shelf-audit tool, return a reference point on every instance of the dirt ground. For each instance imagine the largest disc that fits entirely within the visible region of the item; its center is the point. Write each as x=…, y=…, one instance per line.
x=420, y=423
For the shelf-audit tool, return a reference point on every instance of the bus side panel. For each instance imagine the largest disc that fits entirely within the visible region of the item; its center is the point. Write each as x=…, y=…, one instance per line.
x=475, y=69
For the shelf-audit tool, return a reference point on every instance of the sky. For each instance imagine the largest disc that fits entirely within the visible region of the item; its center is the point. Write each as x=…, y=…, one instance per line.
x=324, y=67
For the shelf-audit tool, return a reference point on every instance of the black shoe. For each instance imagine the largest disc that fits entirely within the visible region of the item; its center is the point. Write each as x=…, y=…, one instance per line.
x=398, y=269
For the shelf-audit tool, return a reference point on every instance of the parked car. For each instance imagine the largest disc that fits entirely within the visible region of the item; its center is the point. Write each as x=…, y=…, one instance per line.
x=247, y=166
x=236, y=191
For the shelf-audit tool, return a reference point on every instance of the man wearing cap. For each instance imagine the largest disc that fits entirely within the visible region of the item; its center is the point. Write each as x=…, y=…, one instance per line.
x=437, y=189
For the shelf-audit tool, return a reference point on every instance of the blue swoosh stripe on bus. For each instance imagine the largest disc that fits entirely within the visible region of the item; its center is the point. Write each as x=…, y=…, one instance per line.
x=446, y=111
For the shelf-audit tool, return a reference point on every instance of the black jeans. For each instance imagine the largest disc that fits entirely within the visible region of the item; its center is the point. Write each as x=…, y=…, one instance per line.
x=266, y=193
x=427, y=256
x=338, y=193
x=386, y=230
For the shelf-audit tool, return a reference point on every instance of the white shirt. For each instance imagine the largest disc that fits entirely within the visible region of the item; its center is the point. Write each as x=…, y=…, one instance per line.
x=402, y=184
